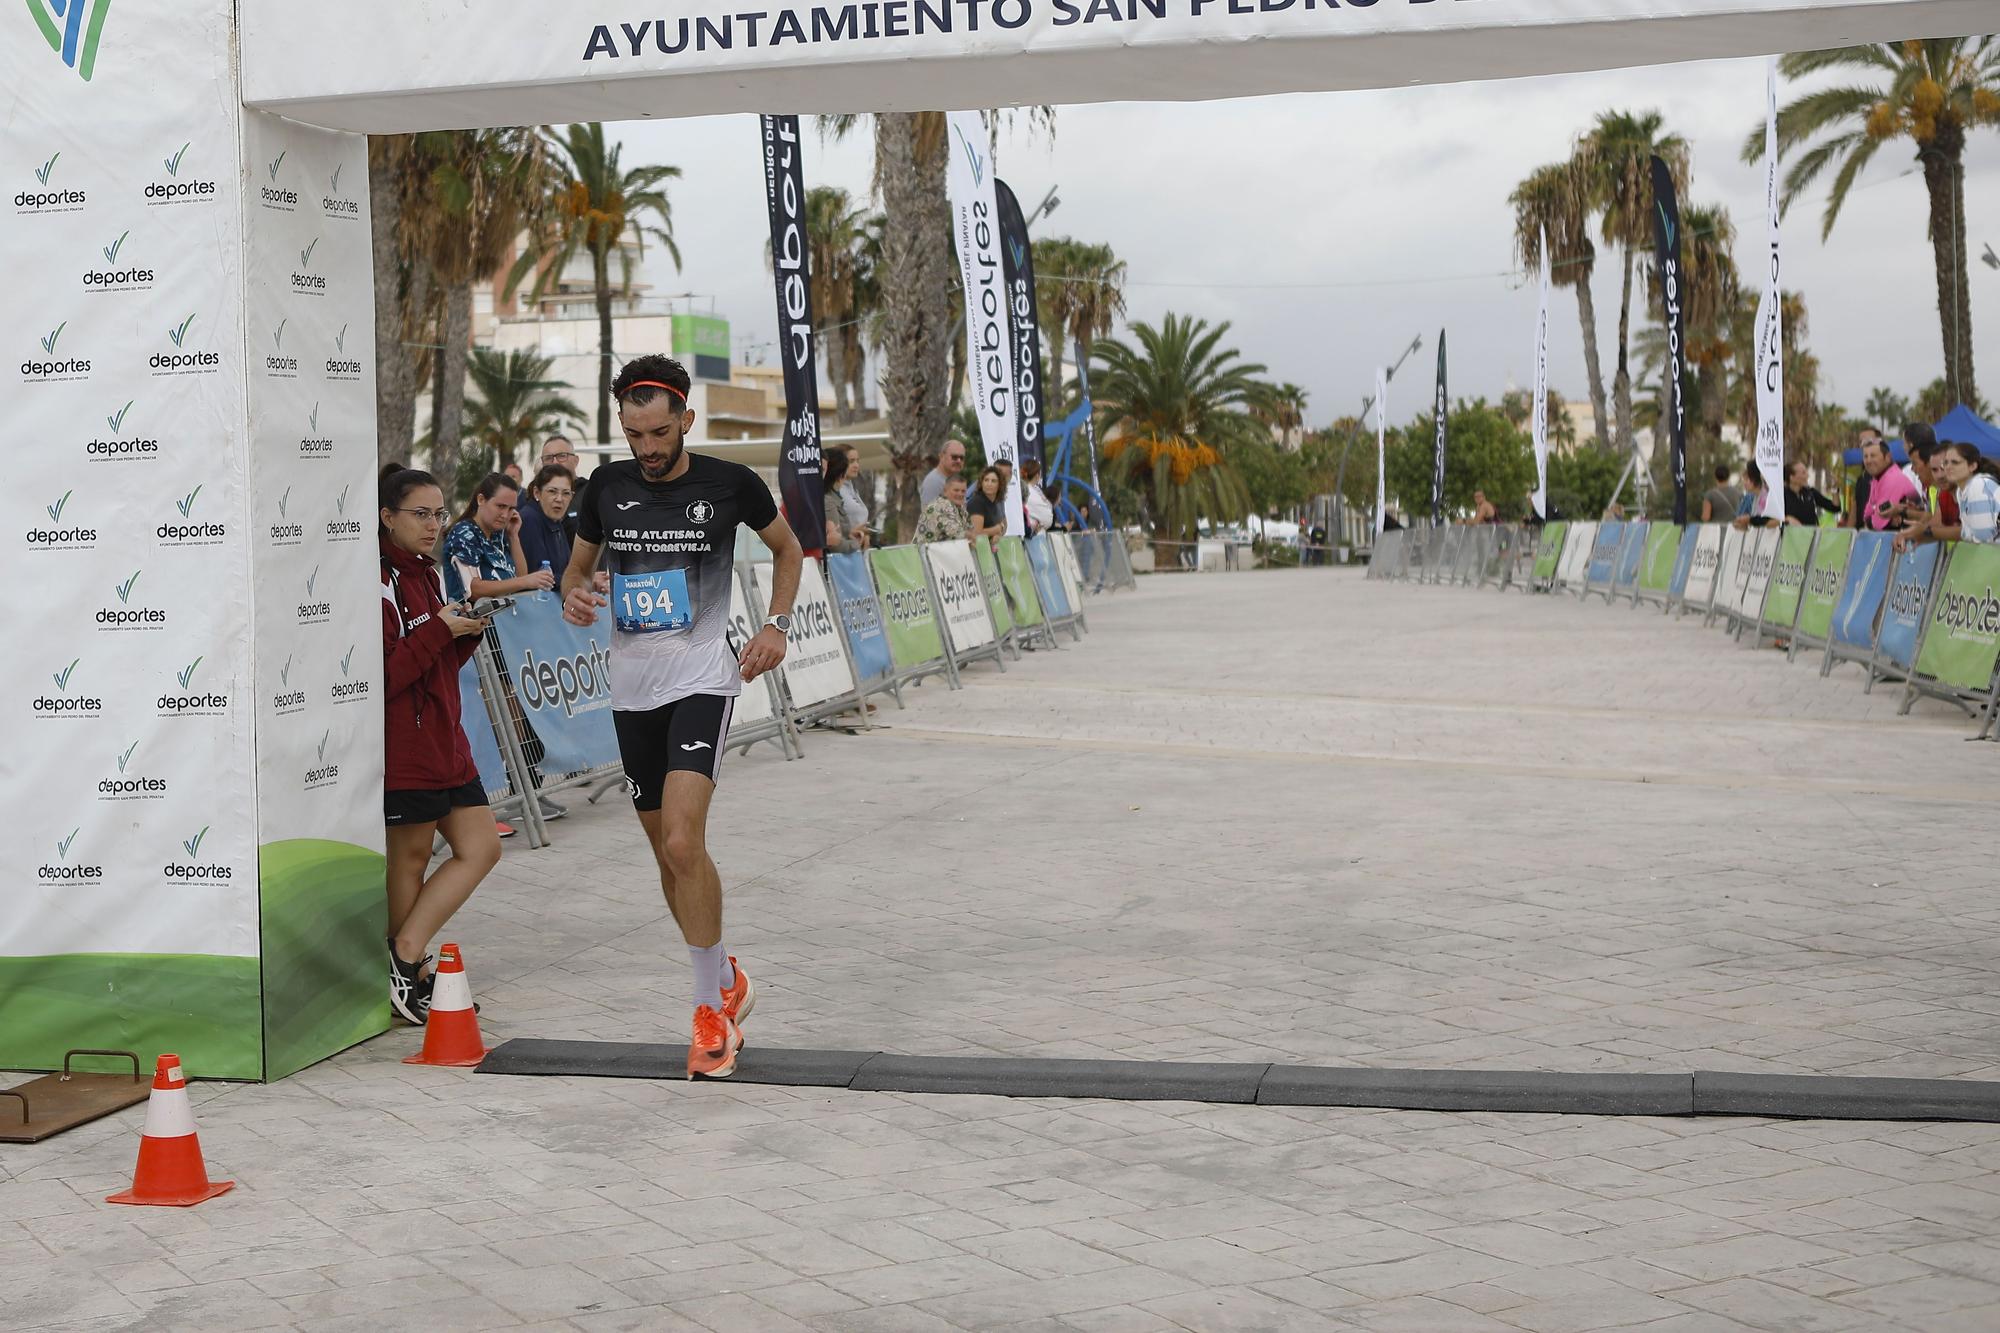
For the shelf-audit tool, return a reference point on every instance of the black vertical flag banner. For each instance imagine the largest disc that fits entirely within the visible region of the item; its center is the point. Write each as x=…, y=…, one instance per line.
x=1017, y=271
x=1437, y=462
x=799, y=465
x=1667, y=258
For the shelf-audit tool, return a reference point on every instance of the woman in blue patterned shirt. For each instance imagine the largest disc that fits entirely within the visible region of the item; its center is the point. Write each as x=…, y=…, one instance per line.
x=482, y=552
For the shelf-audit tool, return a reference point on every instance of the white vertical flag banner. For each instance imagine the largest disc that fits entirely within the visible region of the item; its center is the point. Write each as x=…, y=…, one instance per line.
x=1381, y=446
x=1539, y=412
x=1770, y=323
x=989, y=342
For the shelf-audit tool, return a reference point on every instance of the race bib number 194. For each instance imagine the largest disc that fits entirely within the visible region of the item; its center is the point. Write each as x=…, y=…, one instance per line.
x=651, y=603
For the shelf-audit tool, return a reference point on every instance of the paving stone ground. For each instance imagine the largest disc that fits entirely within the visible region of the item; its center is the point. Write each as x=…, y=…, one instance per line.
x=1281, y=816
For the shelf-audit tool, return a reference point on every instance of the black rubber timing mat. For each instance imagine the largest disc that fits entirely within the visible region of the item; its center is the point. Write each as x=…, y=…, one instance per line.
x=1795, y=1096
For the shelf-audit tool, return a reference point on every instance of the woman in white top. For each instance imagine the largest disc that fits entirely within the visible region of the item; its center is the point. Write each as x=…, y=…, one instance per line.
x=1974, y=479
x=1040, y=513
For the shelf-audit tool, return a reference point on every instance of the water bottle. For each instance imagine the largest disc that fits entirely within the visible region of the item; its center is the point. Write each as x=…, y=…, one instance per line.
x=542, y=594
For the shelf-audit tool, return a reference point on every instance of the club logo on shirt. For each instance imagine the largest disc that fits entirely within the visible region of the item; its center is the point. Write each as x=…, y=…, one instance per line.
x=701, y=511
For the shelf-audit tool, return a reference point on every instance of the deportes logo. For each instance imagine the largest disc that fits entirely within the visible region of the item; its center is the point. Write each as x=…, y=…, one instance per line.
x=270, y=193
x=336, y=205
x=62, y=870
x=189, y=699
x=69, y=699
x=62, y=533
x=277, y=365
x=340, y=366
x=116, y=446
x=73, y=29
x=577, y=684
x=127, y=615
x=184, y=359
x=49, y=198
x=324, y=773
x=303, y=279
x=341, y=528
x=190, y=531
x=349, y=688
x=314, y=610
x=287, y=700
x=54, y=363
x=313, y=444
x=176, y=188
x=129, y=784
x=114, y=277
x=189, y=867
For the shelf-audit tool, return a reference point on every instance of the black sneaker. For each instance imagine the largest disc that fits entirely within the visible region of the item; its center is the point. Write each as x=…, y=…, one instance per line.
x=409, y=989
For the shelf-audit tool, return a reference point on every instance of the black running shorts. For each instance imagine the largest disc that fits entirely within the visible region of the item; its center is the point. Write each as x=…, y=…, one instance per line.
x=685, y=736
x=403, y=808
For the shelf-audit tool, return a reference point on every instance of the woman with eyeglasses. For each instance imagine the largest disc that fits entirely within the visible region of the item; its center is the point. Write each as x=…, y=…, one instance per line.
x=545, y=537
x=431, y=785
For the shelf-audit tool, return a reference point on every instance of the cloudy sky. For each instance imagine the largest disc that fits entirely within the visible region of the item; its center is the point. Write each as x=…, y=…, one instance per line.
x=1330, y=229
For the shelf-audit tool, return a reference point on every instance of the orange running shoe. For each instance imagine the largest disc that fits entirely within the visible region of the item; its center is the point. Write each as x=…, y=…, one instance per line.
x=712, y=1052
x=740, y=999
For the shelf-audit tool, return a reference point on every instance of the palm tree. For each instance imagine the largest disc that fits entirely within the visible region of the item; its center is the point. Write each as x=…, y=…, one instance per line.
x=1711, y=293
x=915, y=286
x=1887, y=409
x=1171, y=408
x=402, y=290
x=1617, y=155
x=1556, y=199
x=517, y=401
x=1282, y=408
x=1929, y=92
x=597, y=208
x=1079, y=292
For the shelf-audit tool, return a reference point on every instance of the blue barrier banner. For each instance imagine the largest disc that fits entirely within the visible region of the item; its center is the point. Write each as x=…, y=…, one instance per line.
x=1683, y=562
x=1903, y=614
x=1093, y=555
x=1861, y=595
x=1631, y=554
x=479, y=730
x=1604, y=555
x=1055, y=598
x=861, y=612
x=562, y=681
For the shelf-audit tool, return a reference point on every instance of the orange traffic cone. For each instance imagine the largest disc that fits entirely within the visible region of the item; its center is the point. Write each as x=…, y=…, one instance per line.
x=170, y=1171
x=451, y=1030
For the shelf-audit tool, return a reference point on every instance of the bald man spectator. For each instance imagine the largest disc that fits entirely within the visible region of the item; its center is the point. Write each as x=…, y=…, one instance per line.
x=950, y=463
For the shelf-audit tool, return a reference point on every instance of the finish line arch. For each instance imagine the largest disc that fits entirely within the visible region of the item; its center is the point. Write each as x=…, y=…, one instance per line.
x=386, y=66
x=194, y=694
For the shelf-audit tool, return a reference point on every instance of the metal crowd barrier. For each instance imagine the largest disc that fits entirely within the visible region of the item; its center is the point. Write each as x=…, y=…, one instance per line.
x=1927, y=618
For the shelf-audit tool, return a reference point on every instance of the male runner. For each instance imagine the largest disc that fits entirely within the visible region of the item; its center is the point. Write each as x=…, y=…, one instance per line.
x=666, y=521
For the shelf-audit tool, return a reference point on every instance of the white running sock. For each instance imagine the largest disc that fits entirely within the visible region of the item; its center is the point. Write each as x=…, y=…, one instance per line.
x=708, y=965
x=728, y=967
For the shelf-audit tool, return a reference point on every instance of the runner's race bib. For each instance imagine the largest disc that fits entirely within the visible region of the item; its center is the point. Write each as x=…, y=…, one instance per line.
x=651, y=603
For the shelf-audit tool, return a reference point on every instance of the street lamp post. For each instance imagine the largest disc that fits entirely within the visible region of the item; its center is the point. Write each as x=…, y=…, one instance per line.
x=1340, y=474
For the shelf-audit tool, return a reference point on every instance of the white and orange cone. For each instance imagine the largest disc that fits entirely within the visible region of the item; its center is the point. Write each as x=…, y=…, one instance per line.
x=451, y=1030
x=170, y=1171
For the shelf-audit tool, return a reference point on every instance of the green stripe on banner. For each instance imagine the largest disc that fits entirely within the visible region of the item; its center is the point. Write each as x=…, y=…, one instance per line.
x=1788, y=575
x=1963, y=638
x=1663, y=546
x=202, y=1007
x=325, y=912
x=1020, y=581
x=1822, y=590
x=1550, y=551
x=996, y=591
x=912, y=626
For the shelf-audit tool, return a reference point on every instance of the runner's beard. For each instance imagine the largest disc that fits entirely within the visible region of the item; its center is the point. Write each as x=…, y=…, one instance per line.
x=655, y=468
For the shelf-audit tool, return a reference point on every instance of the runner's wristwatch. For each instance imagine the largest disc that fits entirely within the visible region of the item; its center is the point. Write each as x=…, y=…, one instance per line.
x=782, y=624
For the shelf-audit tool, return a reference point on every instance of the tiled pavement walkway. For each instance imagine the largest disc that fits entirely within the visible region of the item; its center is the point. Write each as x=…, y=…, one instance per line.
x=1254, y=817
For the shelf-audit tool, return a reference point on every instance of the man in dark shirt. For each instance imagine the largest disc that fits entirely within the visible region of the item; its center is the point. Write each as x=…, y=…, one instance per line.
x=665, y=522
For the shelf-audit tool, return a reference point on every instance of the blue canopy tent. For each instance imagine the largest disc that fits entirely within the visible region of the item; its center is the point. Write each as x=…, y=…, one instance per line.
x=1961, y=424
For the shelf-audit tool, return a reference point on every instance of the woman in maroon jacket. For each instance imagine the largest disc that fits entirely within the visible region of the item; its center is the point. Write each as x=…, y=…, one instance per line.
x=431, y=786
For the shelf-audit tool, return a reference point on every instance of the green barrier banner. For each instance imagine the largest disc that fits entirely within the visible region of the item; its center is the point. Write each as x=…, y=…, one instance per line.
x=1550, y=551
x=1788, y=575
x=1663, y=545
x=1963, y=638
x=906, y=605
x=996, y=591
x=1020, y=581
x=1822, y=590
